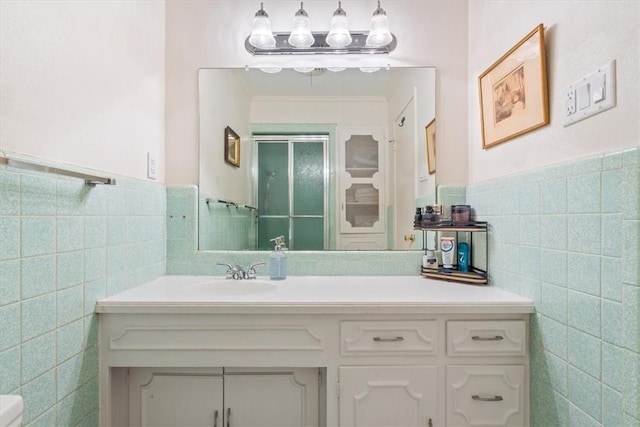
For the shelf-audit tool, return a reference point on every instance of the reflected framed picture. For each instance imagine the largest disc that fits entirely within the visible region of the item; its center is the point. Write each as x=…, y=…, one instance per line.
x=430, y=131
x=513, y=91
x=231, y=147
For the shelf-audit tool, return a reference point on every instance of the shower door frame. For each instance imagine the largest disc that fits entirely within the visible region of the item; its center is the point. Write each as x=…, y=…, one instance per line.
x=290, y=139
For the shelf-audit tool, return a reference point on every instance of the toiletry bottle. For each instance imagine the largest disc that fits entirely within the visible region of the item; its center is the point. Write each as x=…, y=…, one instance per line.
x=429, y=260
x=463, y=256
x=278, y=260
x=417, y=219
x=447, y=246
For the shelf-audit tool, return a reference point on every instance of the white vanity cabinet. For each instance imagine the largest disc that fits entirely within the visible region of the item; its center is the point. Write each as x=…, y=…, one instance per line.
x=491, y=394
x=219, y=397
x=362, y=182
x=398, y=352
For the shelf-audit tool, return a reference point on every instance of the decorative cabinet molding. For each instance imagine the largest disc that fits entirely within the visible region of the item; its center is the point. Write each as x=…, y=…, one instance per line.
x=382, y=396
x=336, y=369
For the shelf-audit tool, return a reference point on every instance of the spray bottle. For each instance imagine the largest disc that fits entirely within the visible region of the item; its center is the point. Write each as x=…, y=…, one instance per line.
x=278, y=260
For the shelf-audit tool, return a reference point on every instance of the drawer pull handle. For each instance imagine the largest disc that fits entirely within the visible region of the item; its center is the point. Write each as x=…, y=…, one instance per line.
x=496, y=338
x=215, y=418
x=394, y=339
x=228, y=417
x=487, y=399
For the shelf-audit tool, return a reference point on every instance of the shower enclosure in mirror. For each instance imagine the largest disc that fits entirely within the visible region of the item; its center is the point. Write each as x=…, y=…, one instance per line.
x=292, y=191
x=269, y=113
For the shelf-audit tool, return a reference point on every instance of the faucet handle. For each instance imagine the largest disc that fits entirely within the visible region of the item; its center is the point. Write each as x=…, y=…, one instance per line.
x=230, y=270
x=251, y=272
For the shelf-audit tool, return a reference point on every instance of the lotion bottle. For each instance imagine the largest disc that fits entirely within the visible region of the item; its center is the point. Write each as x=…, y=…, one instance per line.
x=278, y=260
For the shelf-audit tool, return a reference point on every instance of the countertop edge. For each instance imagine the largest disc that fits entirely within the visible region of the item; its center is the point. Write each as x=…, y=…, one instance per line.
x=302, y=308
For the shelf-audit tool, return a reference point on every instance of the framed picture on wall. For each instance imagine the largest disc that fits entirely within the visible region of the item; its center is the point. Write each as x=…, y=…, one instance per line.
x=231, y=147
x=513, y=91
x=430, y=131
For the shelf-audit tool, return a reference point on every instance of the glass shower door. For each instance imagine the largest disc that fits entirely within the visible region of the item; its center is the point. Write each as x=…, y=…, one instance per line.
x=292, y=186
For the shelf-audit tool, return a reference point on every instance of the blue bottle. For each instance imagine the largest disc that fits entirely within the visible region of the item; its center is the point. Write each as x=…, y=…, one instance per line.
x=463, y=256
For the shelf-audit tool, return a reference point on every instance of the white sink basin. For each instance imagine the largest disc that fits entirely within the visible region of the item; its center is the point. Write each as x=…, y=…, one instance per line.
x=11, y=407
x=232, y=287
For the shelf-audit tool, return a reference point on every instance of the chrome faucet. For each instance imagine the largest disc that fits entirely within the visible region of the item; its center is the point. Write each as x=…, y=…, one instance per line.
x=239, y=273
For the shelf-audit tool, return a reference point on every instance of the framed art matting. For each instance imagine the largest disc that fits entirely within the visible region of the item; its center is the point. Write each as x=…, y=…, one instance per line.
x=513, y=91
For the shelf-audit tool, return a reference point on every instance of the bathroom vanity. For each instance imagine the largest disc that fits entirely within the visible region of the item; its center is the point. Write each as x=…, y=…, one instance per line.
x=314, y=351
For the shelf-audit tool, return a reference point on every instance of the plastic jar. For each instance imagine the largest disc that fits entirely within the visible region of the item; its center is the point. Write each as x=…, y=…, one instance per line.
x=460, y=214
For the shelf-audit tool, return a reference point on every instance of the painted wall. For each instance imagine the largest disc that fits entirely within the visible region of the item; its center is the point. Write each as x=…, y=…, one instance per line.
x=224, y=101
x=83, y=82
x=580, y=39
x=212, y=34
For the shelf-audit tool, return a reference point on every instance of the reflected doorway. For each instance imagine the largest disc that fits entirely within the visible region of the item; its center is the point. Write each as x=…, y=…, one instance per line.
x=291, y=182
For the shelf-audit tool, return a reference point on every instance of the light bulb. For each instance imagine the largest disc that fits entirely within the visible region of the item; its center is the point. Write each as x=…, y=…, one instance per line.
x=369, y=69
x=336, y=69
x=339, y=36
x=301, y=33
x=261, y=35
x=379, y=34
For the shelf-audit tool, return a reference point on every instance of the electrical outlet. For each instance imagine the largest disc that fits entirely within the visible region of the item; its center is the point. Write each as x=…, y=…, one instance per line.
x=592, y=94
x=571, y=101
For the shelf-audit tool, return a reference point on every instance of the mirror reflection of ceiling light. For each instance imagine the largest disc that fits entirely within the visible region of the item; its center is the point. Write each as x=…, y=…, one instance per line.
x=304, y=69
x=270, y=70
x=336, y=69
x=339, y=40
x=369, y=69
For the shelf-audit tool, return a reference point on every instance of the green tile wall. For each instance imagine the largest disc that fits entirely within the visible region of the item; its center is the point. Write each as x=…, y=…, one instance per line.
x=568, y=236
x=184, y=258
x=63, y=246
x=225, y=227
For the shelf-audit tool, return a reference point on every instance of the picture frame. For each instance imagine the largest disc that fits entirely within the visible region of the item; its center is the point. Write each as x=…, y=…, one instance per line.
x=231, y=147
x=513, y=91
x=430, y=137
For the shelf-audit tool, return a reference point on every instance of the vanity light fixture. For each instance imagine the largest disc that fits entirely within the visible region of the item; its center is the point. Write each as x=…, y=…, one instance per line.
x=339, y=33
x=261, y=35
x=301, y=34
x=339, y=40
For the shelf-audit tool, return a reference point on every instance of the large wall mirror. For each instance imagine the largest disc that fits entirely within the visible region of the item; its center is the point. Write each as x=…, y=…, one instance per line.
x=330, y=160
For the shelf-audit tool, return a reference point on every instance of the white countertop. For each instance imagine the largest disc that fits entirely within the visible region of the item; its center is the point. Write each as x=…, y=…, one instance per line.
x=313, y=294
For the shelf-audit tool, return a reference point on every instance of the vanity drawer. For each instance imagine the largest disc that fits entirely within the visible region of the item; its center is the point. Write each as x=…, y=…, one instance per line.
x=486, y=395
x=386, y=338
x=486, y=338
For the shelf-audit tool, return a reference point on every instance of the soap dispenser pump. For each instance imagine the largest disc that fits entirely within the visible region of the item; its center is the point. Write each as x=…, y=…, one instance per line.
x=278, y=260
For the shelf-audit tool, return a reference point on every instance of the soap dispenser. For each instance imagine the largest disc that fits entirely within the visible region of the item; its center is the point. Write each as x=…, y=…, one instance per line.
x=278, y=260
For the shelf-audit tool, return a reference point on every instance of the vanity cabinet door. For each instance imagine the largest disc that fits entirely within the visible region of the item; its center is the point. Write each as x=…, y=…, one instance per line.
x=161, y=398
x=283, y=399
x=383, y=396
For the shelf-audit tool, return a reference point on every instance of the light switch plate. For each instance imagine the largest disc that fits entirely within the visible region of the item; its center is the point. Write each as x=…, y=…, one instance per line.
x=592, y=94
x=152, y=166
